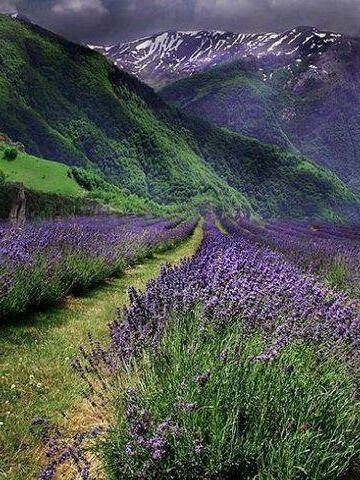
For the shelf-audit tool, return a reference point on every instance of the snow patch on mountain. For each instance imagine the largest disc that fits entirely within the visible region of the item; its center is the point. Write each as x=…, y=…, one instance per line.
x=171, y=55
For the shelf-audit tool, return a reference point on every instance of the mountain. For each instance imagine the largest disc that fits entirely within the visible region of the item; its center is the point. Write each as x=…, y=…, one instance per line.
x=169, y=56
x=67, y=103
x=52, y=101
x=299, y=89
x=311, y=107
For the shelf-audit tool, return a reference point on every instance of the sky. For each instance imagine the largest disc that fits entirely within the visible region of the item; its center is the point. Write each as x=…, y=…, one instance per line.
x=107, y=21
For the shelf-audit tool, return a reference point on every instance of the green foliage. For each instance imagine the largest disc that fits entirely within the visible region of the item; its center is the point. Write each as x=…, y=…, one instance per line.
x=290, y=419
x=122, y=200
x=48, y=183
x=274, y=180
x=336, y=271
x=110, y=123
x=10, y=154
x=337, y=275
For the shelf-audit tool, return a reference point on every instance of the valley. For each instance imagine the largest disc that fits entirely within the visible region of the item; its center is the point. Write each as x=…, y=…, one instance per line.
x=297, y=89
x=179, y=246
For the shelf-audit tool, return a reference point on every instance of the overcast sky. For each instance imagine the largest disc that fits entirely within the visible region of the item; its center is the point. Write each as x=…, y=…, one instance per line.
x=104, y=21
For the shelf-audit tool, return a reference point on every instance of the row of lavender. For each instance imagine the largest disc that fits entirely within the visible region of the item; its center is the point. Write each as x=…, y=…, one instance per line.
x=42, y=262
x=237, y=279
x=247, y=368
x=332, y=250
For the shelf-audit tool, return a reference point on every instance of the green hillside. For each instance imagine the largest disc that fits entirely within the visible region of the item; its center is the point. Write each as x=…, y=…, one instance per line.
x=54, y=188
x=234, y=95
x=73, y=106
x=300, y=108
x=277, y=181
x=39, y=174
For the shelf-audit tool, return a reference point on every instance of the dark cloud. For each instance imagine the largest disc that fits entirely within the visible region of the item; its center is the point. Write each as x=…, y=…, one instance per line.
x=7, y=6
x=109, y=20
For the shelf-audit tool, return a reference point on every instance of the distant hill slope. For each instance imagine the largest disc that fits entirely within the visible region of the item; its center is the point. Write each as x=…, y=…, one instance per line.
x=68, y=103
x=38, y=174
x=312, y=107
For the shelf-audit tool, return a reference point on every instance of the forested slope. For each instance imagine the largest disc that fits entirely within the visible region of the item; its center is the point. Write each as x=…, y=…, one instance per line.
x=67, y=103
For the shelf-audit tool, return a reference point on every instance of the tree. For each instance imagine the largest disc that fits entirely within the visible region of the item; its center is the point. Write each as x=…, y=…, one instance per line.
x=10, y=154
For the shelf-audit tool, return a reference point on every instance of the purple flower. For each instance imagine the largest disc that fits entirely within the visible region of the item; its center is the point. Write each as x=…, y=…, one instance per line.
x=189, y=407
x=157, y=454
x=131, y=391
x=47, y=473
x=85, y=473
x=164, y=426
x=106, y=243
x=38, y=421
x=259, y=280
x=130, y=450
x=199, y=447
x=202, y=378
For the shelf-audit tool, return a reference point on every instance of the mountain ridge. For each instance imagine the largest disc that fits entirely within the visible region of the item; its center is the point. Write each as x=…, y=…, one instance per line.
x=76, y=107
x=313, y=109
x=167, y=56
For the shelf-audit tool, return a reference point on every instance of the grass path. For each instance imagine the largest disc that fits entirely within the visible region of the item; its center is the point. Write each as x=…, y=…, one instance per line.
x=35, y=376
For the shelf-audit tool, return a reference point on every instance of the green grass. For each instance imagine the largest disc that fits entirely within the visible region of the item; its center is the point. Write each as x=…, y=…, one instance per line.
x=291, y=419
x=35, y=373
x=220, y=226
x=38, y=174
x=50, y=179
x=339, y=274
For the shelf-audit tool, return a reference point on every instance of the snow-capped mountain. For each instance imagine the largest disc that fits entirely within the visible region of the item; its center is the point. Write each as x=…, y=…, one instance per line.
x=169, y=56
x=299, y=90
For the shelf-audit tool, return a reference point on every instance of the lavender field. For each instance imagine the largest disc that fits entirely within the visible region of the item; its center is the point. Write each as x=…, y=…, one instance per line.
x=179, y=240
x=240, y=363
x=42, y=262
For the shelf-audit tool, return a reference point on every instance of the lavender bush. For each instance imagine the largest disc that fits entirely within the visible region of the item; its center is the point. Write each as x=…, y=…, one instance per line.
x=42, y=262
x=235, y=279
x=333, y=251
x=203, y=408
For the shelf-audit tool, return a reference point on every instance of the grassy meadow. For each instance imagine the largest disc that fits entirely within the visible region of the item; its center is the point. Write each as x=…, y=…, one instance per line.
x=39, y=174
